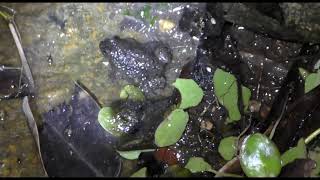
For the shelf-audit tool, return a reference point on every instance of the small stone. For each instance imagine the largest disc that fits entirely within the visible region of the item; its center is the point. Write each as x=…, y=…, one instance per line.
x=254, y=106
x=206, y=125
x=166, y=25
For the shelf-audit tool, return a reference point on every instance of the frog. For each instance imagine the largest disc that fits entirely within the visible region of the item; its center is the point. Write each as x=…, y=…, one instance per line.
x=142, y=64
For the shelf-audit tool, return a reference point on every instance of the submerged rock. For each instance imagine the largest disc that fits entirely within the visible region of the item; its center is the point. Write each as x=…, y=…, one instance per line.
x=74, y=144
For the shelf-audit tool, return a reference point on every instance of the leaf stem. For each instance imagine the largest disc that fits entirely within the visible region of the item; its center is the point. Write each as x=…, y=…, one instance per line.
x=312, y=136
x=222, y=174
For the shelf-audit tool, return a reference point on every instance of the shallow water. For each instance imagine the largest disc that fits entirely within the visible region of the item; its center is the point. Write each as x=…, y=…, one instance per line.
x=61, y=42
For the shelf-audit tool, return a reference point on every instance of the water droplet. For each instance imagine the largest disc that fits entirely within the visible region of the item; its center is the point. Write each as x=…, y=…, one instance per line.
x=213, y=21
x=69, y=132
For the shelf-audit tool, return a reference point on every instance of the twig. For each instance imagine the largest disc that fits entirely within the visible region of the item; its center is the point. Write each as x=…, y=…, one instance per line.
x=8, y=15
x=33, y=127
x=24, y=62
x=230, y=163
x=278, y=120
x=258, y=86
x=276, y=124
x=312, y=136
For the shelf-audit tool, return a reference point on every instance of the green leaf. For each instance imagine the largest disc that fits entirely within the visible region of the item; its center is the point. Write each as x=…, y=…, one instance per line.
x=171, y=129
x=226, y=90
x=153, y=20
x=191, y=93
x=259, y=156
x=177, y=171
x=304, y=73
x=246, y=94
x=315, y=155
x=298, y=152
x=227, y=147
x=108, y=122
x=140, y=173
x=312, y=81
x=131, y=155
x=198, y=164
x=6, y=16
x=132, y=92
x=146, y=13
x=126, y=12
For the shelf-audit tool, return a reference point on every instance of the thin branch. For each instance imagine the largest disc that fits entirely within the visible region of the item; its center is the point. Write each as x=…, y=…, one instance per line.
x=312, y=136
x=23, y=58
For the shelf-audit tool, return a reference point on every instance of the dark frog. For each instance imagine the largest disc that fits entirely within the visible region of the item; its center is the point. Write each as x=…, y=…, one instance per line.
x=143, y=64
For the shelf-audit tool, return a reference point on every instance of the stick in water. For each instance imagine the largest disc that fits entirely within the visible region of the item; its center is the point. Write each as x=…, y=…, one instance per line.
x=33, y=127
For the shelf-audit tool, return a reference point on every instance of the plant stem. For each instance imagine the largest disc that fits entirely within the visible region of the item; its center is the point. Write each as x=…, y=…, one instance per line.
x=222, y=174
x=312, y=136
x=23, y=58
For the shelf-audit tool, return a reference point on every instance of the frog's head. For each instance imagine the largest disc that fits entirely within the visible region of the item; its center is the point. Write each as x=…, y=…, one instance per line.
x=106, y=46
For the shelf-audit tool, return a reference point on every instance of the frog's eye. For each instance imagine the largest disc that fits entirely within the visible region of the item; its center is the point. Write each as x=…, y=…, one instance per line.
x=106, y=46
x=163, y=54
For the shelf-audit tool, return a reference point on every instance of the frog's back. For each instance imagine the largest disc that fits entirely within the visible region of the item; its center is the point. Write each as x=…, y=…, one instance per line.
x=130, y=57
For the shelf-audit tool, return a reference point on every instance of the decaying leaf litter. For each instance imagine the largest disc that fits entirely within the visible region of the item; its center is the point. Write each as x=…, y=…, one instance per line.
x=219, y=78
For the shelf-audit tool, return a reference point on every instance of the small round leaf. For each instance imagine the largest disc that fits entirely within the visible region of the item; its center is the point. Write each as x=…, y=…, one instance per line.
x=198, y=164
x=171, y=129
x=191, y=93
x=259, y=156
x=140, y=173
x=131, y=155
x=227, y=147
x=132, y=92
x=108, y=122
